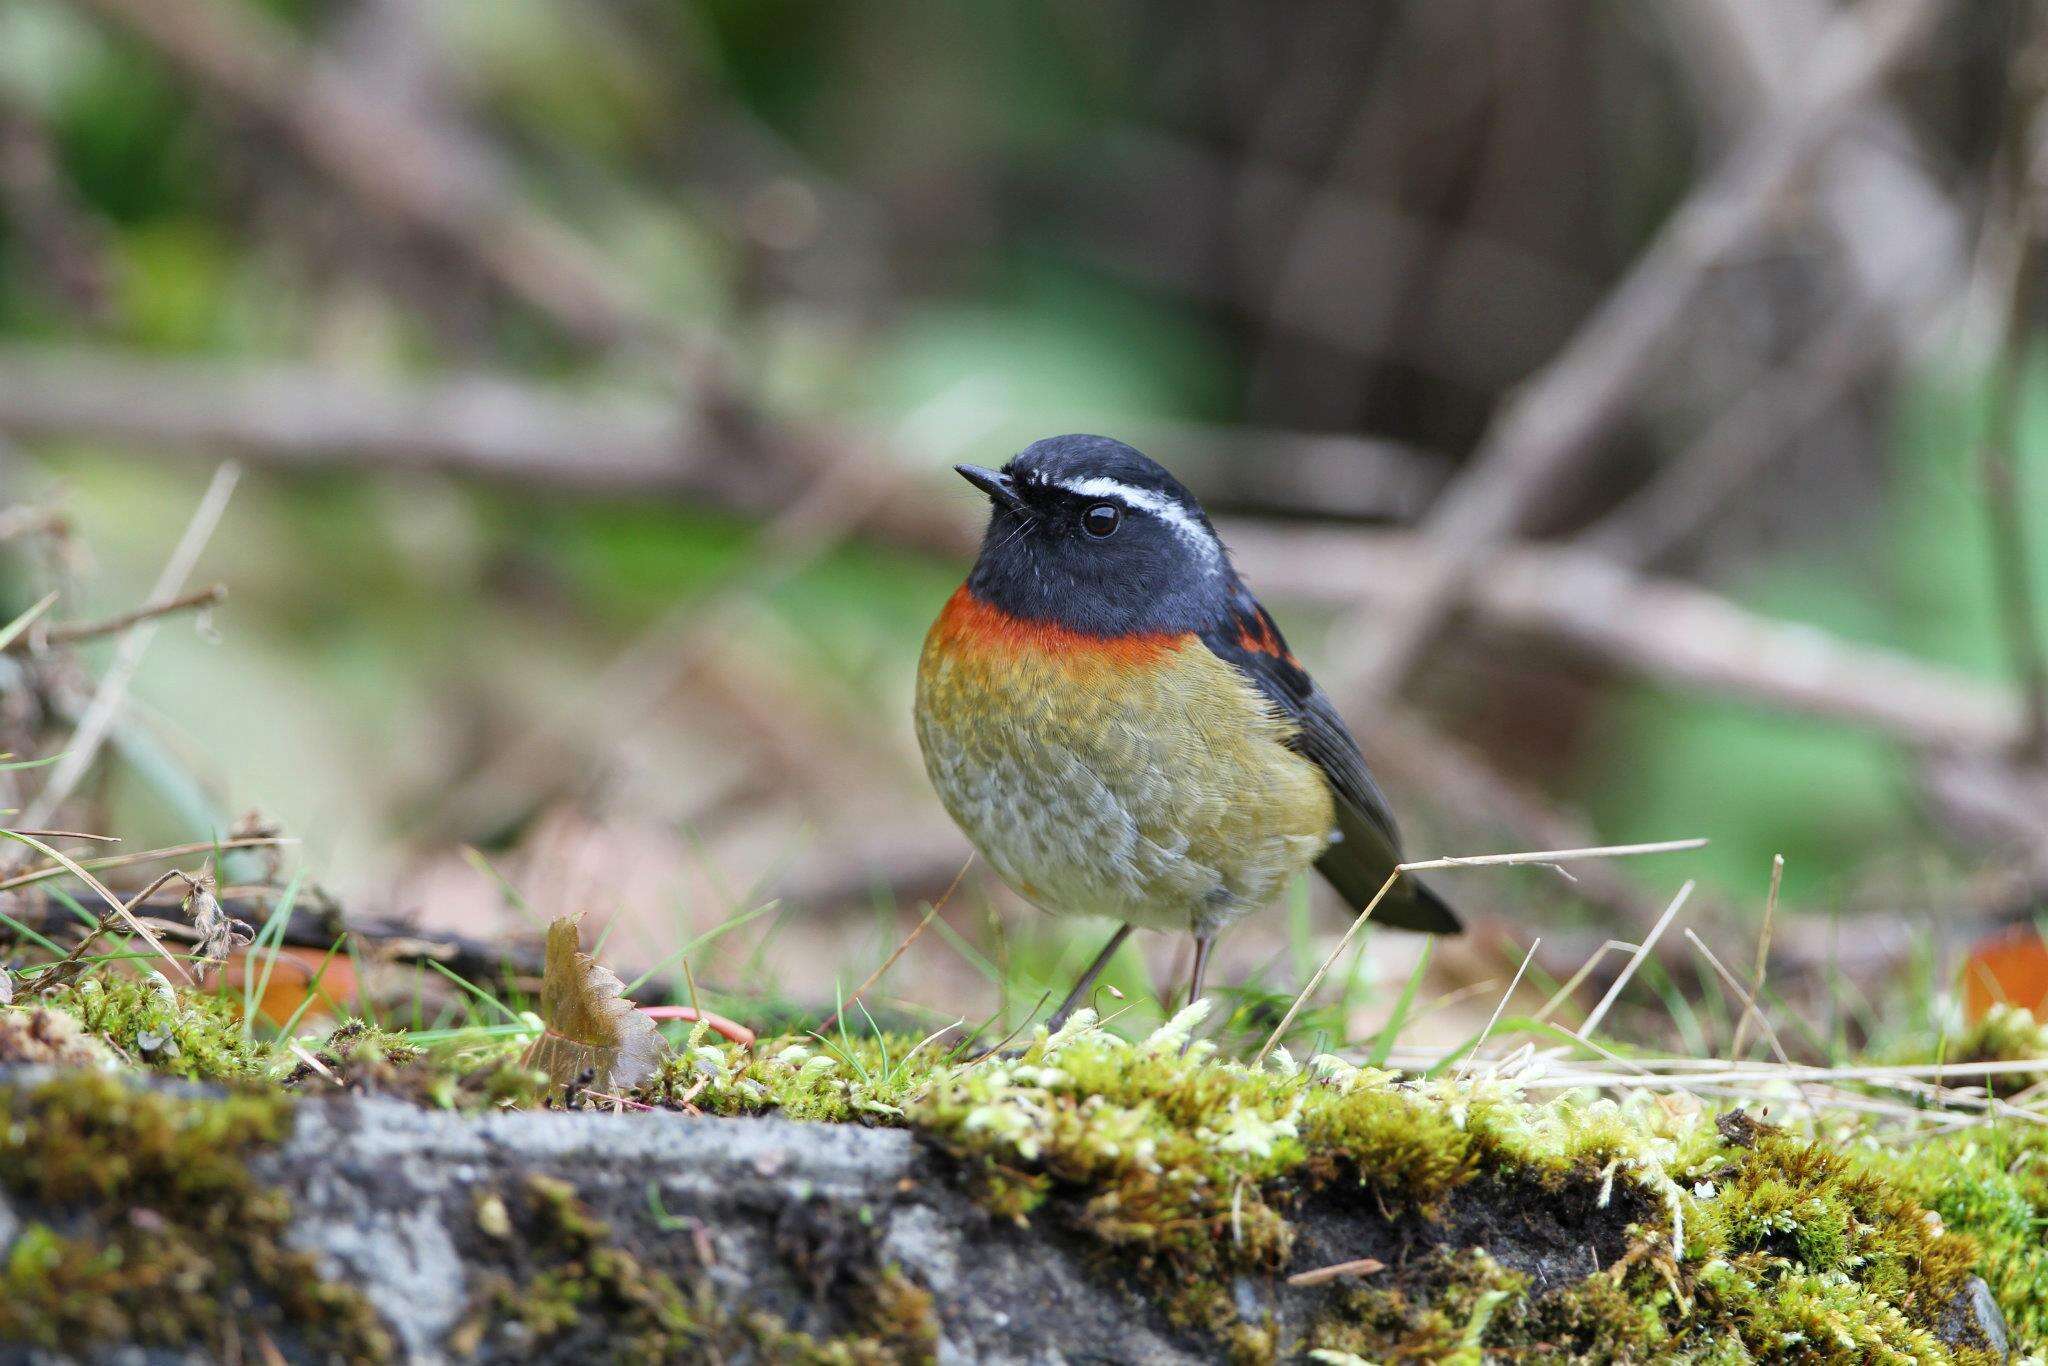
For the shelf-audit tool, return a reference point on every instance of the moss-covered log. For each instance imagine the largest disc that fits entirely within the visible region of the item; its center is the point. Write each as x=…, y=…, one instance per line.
x=1091, y=1200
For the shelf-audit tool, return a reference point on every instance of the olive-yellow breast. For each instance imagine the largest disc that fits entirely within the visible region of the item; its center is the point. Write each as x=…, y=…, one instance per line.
x=1138, y=777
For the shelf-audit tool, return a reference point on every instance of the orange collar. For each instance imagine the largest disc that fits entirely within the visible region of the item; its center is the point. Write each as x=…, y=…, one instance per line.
x=968, y=622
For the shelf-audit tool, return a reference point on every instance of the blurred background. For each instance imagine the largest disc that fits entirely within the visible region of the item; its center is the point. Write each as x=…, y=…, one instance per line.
x=1629, y=409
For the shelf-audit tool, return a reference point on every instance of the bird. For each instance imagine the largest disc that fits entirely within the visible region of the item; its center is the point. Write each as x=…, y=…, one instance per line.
x=1121, y=731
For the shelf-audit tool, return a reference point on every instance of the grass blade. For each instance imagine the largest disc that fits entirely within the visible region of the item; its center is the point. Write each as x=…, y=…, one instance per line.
x=1383, y=1046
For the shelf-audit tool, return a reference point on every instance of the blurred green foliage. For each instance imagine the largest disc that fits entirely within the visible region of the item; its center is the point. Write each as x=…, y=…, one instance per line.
x=1913, y=574
x=379, y=604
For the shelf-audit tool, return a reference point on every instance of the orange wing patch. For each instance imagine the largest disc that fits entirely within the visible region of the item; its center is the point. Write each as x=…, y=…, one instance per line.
x=1257, y=633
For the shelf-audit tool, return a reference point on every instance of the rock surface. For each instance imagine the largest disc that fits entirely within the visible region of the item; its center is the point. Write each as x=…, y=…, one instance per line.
x=409, y=1206
x=779, y=1216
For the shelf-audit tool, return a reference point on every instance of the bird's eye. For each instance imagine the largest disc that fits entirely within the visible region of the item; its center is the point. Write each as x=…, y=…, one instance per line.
x=1102, y=519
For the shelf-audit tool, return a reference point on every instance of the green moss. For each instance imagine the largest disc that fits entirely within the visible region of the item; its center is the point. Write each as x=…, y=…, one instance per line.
x=895, y=1326
x=1602, y=1318
x=582, y=1292
x=1990, y=1183
x=644, y=1315
x=360, y=1046
x=147, y=1022
x=1169, y=1166
x=868, y=1080
x=150, y=1023
x=1450, y=1321
x=180, y=1228
x=2007, y=1033
x=1188, y=1172
x=1804, y=1251
x=1794, y=1254
x=481, y=1074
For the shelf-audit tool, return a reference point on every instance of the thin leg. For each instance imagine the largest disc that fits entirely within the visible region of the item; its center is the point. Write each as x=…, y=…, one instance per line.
x=1202, y=945
x=1082, y=987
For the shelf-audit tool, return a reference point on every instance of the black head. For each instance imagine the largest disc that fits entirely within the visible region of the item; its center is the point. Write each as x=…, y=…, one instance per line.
x=1090, y=534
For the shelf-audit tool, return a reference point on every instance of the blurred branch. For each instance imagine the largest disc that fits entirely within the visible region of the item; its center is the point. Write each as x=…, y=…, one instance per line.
x=620, y=697
x=1663, y=629
x=63, y=244
x=1660, y=519
x=26, y=519
x=318, y=923
x=1666, y=631
x=1329, y=474
x=1555, y=423
x=1904, y=241
x=1997, y=805
x=487, y=427
x=518, y=432
x=515, y=431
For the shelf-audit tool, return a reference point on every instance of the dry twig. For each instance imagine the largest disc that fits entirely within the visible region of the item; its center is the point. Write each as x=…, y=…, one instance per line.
x=1363, y=1266
x=73, y=632
x=1635, y=961
x=1763, y=953
x=1540, y=857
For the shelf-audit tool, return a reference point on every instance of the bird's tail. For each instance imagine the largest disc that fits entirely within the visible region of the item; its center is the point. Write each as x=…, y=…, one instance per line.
x=1413, y=906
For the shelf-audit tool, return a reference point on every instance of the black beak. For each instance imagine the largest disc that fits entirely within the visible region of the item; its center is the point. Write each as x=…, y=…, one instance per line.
x=1000, y=488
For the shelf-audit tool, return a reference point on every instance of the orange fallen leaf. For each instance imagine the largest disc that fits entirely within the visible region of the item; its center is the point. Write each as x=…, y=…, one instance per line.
x=2009, y=967
x=296, y=975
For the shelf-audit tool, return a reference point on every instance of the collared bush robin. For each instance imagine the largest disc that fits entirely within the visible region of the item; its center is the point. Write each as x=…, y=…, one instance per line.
x=1121, y=730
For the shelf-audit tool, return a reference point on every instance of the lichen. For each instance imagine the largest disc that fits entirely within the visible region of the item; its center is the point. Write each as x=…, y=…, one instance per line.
x=141, y=1221
x=48, y=1038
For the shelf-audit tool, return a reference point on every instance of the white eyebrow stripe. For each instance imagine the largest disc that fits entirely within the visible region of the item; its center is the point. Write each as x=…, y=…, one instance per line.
x=1185, y=524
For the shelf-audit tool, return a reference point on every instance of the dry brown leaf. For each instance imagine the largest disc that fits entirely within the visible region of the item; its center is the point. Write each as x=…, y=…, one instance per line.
x=591, y=1027
x=219, y=933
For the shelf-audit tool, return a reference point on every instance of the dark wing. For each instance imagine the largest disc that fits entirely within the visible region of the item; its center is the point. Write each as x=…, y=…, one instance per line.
x=1370, y=844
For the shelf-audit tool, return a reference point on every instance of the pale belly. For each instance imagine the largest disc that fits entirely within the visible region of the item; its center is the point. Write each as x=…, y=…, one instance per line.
x=1162, y=795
